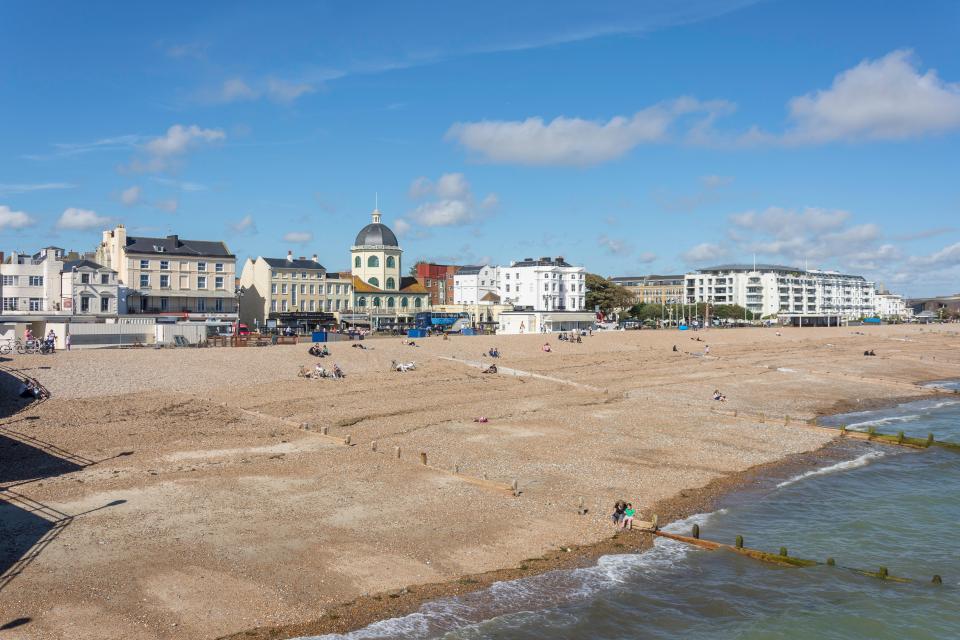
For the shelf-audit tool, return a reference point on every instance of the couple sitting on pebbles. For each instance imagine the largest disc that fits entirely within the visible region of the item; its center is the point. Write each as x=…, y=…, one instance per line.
x=623, y=513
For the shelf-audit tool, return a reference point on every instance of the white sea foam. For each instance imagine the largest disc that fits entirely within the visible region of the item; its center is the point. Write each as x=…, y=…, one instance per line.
x=860, y=426
x=860, y=461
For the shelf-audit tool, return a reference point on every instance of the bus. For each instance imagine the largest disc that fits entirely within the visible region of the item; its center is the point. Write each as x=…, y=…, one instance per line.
x=451, y=321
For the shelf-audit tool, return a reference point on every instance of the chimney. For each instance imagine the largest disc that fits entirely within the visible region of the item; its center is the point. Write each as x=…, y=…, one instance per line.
x=175, y=239
x=315, y=258
x=289, y=256
x=302, y=258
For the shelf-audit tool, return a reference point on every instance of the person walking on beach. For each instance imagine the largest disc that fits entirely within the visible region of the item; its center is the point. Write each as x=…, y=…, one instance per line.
x=628, y=512
x=66, y=341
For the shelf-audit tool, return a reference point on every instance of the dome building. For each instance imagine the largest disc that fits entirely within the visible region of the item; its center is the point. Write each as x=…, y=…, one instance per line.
x=380, y=290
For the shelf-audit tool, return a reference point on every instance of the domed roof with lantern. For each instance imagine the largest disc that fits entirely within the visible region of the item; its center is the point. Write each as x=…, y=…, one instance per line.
x=376, y=234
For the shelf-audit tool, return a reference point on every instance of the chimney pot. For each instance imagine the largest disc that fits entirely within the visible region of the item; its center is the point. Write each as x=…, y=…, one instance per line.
x=290, y=256
x=315, y=258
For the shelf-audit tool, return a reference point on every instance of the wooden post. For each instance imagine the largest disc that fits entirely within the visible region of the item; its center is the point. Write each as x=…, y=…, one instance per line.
x=783, y=551
x=456, y=469
x=654, y=522
x=937, y=580
x=325, y=430
x=515, y=486
x=929, y=440
x=346, y=441
x=739, y=542
x=831, y=562
x=786, y=420
x=696, y=532
x=396, y=452
x=843, y=430
x=423, y=458
x=580, y=508
x=373, y=446
x=900, y=437
x=883, y=573
x=871, y=431
x=305, y=426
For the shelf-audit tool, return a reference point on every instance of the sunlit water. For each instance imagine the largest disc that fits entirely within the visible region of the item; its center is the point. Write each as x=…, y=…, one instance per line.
x=887, y=506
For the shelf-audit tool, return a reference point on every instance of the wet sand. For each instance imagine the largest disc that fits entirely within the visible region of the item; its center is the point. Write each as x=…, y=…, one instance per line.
x=235, y=517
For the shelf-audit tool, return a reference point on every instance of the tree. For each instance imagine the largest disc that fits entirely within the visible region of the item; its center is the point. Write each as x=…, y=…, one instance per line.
x=606, y=295
x=413, y=268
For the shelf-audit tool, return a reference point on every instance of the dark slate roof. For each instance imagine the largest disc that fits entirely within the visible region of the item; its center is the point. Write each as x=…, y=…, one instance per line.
x=776, y=267
x=542, y=262
x=175, y=246
x=84, y=264
x=377, y=235
x=296, y=263
x=470, y=269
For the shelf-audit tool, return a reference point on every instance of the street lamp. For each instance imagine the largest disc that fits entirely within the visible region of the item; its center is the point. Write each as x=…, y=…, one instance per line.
x=238, y=292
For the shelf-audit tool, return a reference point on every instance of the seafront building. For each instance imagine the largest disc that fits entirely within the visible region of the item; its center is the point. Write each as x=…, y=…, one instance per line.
x=437, y=279
x=171, y=277
x=475, y=284
x=653, y=289
x=892, y=307
x=89, y=289
x=791, y=294
x=30, y=284
x=383, y=298
x=292, y=292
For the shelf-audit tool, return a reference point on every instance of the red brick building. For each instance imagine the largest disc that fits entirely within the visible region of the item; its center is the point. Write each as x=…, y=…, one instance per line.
x=437, y=279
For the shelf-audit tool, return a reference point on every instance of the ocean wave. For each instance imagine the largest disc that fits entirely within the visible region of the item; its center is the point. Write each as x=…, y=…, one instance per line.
x=859, y=426
x=860, y=461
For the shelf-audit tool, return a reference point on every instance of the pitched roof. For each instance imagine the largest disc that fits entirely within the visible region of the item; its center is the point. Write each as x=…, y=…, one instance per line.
x=283, y=263
x=409, y=284
x=470, y=269
x=490, y=296
x=365, y=287
x=83, y=264
x=175, y=246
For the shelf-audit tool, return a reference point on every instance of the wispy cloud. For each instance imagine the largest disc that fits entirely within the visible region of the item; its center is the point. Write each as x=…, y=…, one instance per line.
x=8, y=189
x=182, y=185
x=167, y=151
x=451, y=202
x=66, y=149
x=246, y=224
x=298, y=237
x=10, y=219
x=131, y=196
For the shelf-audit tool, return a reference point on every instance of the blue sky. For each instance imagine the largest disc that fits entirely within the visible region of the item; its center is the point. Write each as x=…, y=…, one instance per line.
x=628, y=137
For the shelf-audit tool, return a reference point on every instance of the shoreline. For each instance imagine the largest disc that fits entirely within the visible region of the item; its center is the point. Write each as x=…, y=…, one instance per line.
x=368, y=609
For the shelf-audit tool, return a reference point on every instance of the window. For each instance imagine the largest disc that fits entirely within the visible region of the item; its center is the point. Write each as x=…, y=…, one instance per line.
x=374, y=282
x=338, y=305
x=84, y=278
x=391, y=284
x=273, y=288
x=104, y=305
x=329, y=289
x=164, y=265
x=508, y=288
x=303, y=274
x=164, y=281
x=390, y=303
x=201, y=304
x=373, y=261
x=35, y=281
x=84, y=304
x=361, y=301
x=202, y=283
x=403, y=303
x=218, y=305
x=329, y=303
x=218, y=282
x=9, y=281
x=144, y=281
x=376, y=302
x=428, y=283
x=283, y=289
x=293, y=275
x=36, y=304
x=356, y=261
x=303, y=289
x=312, y=289
x=417, y=302
x=9, y=304
x=144, y=264
x=273, y=305
x=313, y=304
x=218, y=267
x=283, y=305
x=164, y=304
x=201, y=266
x=391, y=263
x=104, y=278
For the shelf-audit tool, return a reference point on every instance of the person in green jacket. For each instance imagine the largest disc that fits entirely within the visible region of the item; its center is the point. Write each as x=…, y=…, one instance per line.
x=627, y=522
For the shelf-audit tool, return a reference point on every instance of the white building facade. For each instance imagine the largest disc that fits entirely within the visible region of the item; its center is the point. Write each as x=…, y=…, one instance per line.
x=89, y=289
x=891, y=306
x=544, y=284
x=777, y=290
x=473, y=283
x=30, y=284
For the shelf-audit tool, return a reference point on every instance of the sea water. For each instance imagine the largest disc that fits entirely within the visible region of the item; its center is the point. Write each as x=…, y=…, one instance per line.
x=881, y=506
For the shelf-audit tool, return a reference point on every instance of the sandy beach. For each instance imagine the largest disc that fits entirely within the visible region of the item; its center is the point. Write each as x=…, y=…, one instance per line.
x=209, y=492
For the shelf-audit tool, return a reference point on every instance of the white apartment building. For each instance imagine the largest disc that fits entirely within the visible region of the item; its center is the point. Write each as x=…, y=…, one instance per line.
x=777, y=290
x=545, y=284
x=89, y=289
x=475, y=284
x=191, y=279
x=292, y=292
x=30, y=284
x=891, y=306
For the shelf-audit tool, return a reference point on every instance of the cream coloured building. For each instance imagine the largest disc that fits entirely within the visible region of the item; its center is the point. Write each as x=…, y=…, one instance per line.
x=292, y=292
x=170, y=276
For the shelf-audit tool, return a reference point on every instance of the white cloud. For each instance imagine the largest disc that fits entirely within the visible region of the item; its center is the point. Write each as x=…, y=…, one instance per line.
x=614, y=246
x=885, y=99
x=236, y=89
x=7, y=189
x=246, y=223
x=131, y=196
x=164, y=151
x=401, y=227
x=947, y=257
x=705, y=252
x=272, y=88
x=646, y=257
x=81, y=220
x=104, y=144
x=298, y=237
x=781, y=222
x=453, y=203
x=170, y=205
x=286, y=92
x=575, y=141
x=10, y=219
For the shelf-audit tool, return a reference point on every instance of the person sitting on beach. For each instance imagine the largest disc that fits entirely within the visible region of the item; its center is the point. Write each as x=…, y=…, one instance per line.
x=338, y=373
x=546, y=347
x=315, y=351
x=579, y=339
x=304, y=372
x=675, y=350
x=719, y=397
x=30, y=389
x=494, y=352
x=319, y=372
x=706, y=350
x=619, y=507
x=324, y=352
x=491, y=369
x=627, y=521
